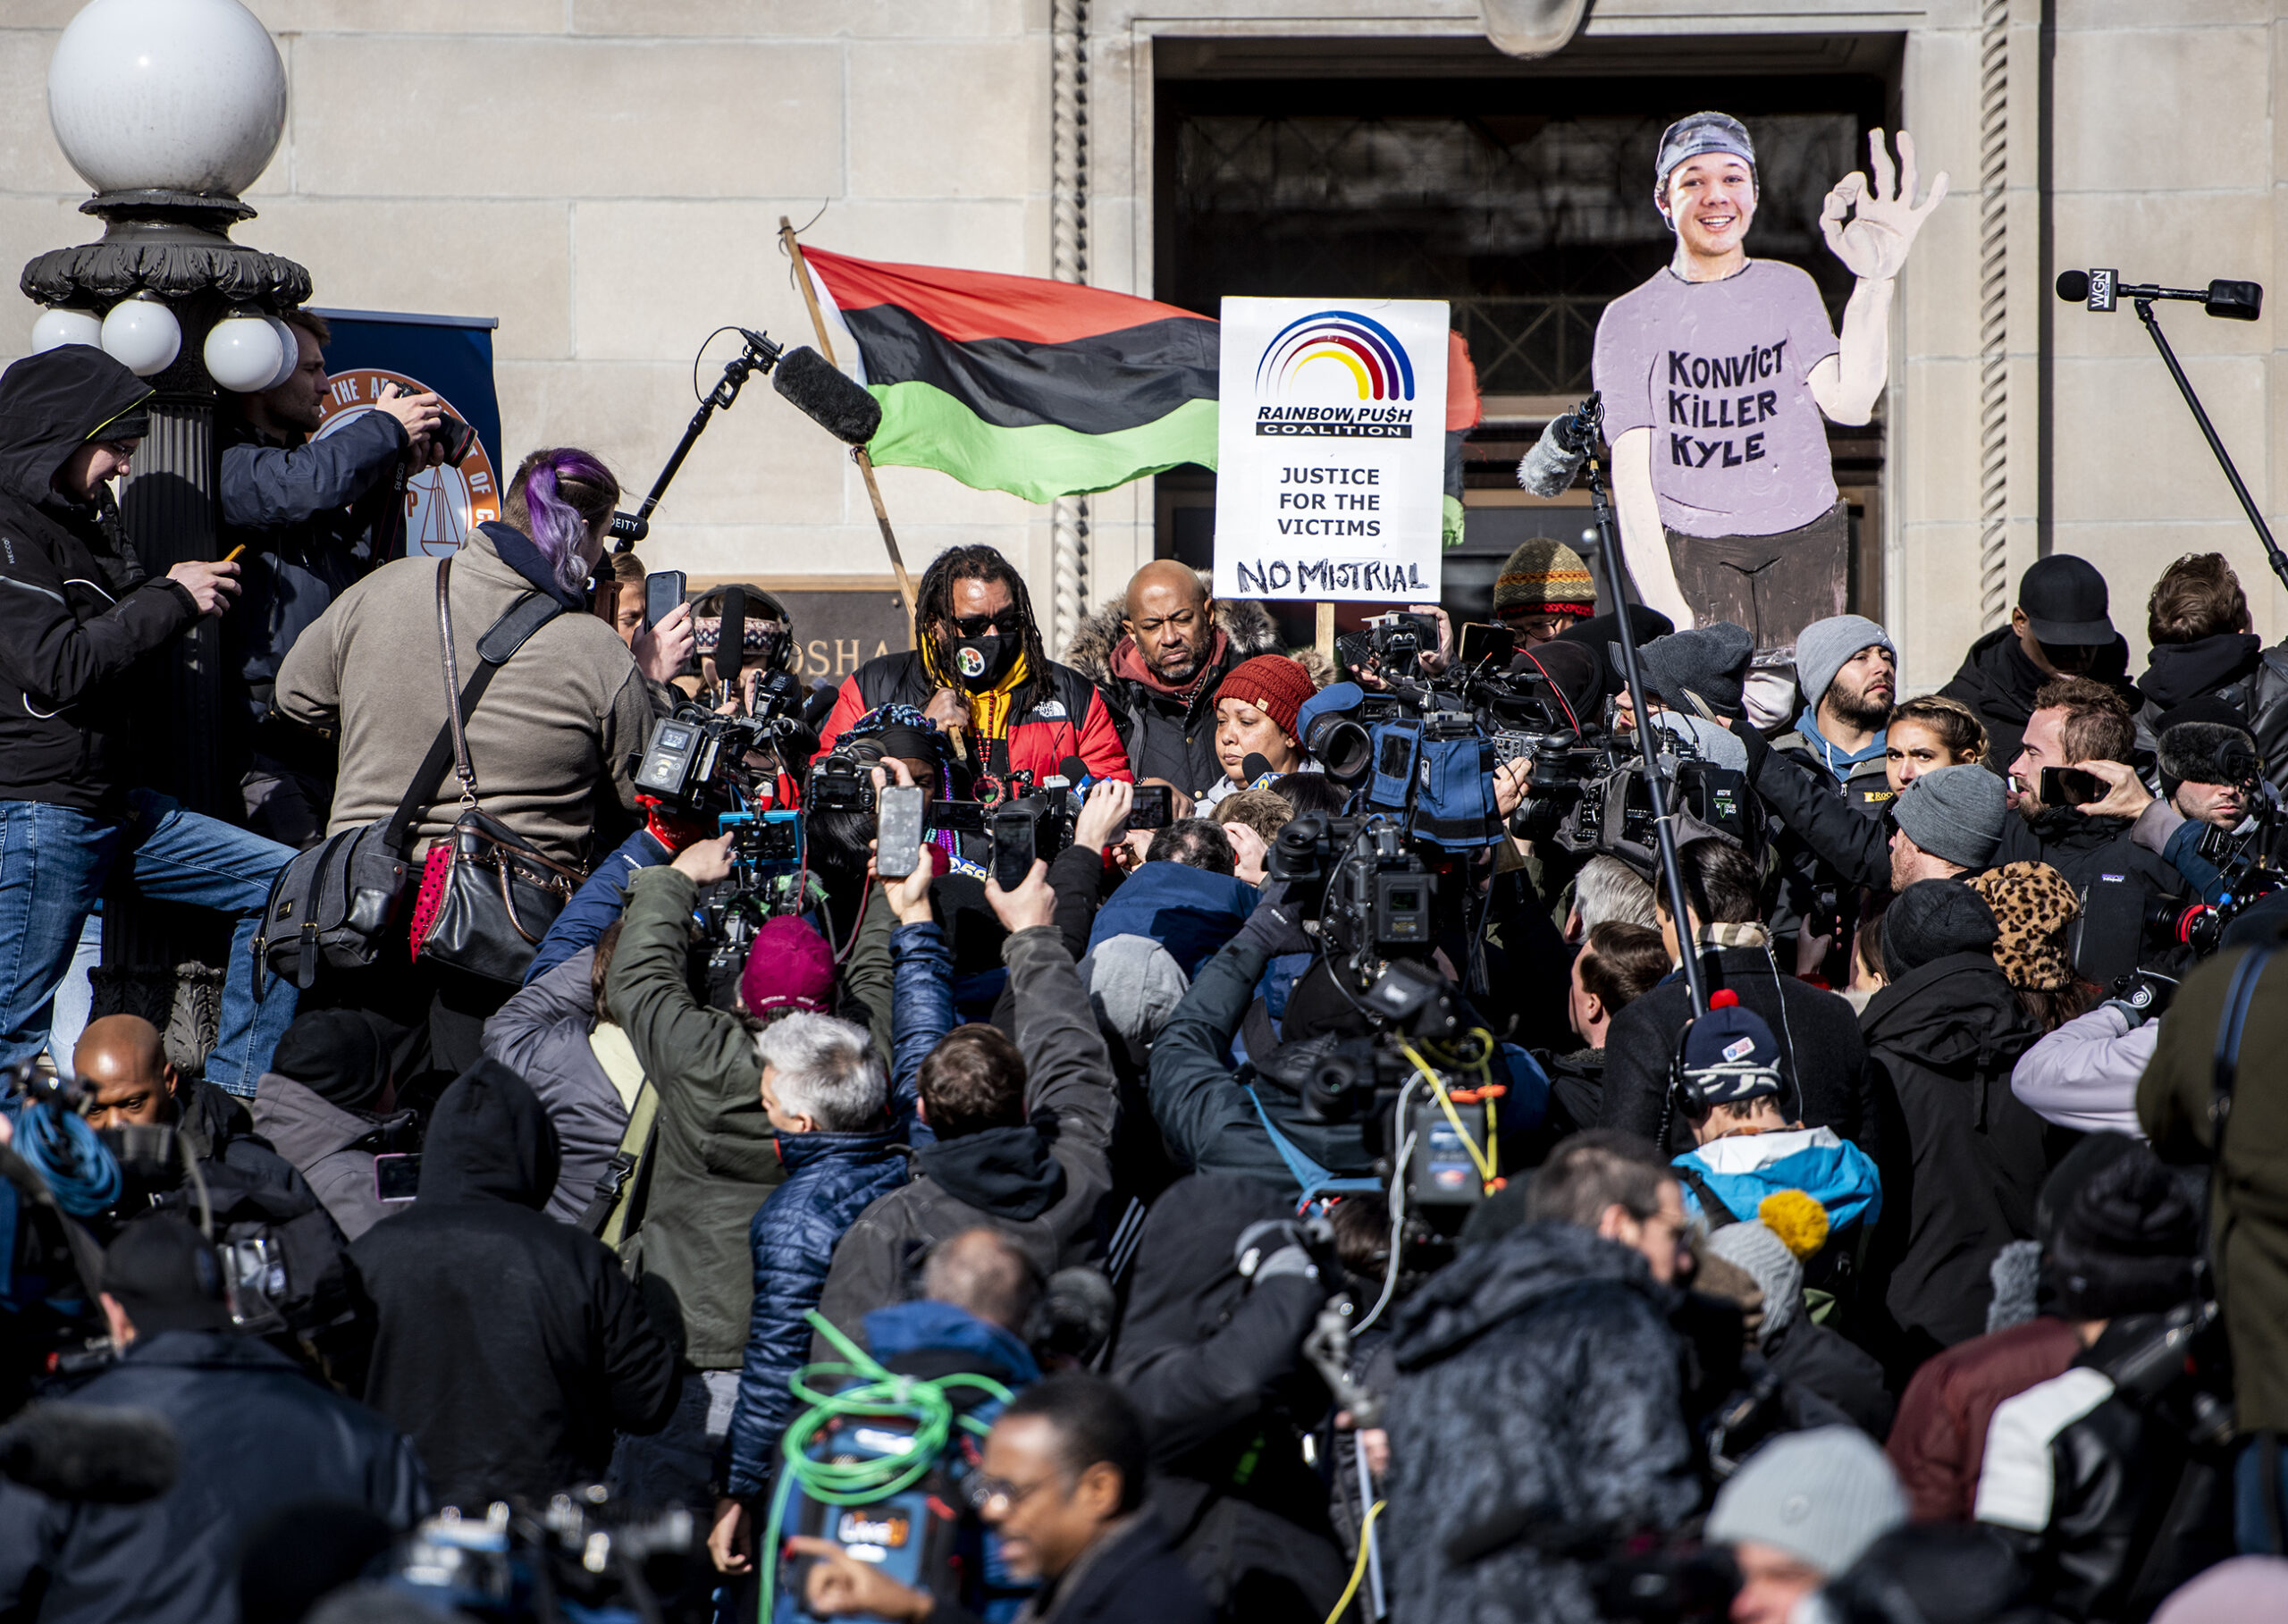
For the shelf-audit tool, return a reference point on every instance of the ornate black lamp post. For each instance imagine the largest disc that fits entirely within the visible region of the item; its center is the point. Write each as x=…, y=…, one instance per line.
x=169, y=109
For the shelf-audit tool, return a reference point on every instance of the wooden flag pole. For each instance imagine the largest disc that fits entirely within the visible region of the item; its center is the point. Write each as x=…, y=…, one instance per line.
x=858, y=453
x=1325, y=639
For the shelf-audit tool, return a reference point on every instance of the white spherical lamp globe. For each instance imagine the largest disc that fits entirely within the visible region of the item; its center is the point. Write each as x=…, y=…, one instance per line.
x=57, y=326
x=175, y=95
x=142, y=335
x=241, y=354
x=290, y=352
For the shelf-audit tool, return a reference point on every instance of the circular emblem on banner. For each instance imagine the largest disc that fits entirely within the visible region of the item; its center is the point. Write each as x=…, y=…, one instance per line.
x=442, y=504
x=971, y=664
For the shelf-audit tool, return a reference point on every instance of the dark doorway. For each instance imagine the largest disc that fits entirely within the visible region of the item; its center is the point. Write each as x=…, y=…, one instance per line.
x=1520, y=192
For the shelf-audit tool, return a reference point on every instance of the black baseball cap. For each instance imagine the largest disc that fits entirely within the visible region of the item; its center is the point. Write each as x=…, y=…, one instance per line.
x=167, y=1277
x=2065, y=601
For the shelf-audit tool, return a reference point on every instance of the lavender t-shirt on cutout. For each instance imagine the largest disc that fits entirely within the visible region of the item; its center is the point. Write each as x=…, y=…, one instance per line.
x=1717, y=370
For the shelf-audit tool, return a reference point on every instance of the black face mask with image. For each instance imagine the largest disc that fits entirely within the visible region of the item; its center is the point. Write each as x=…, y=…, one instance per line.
x=980, y=662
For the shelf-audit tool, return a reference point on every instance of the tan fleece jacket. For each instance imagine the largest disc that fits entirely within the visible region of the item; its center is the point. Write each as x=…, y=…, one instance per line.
x=565, y=713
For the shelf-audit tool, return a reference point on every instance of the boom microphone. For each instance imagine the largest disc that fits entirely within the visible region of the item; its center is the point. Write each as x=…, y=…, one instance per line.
x=815, y=387
x=2102, y=290
x=1548, y=469
x=91, y=1453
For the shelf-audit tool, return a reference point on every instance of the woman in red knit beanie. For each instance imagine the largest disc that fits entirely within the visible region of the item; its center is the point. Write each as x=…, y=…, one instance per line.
x=1255, y=715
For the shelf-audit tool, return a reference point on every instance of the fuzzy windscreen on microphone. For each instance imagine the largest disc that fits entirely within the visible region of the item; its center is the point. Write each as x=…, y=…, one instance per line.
x=82, y=1454
x=826, y=396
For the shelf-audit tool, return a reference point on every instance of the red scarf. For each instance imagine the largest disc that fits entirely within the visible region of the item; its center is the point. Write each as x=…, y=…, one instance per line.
x=1127, y=663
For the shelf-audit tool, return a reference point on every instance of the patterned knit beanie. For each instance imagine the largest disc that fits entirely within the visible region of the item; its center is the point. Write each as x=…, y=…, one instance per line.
x=1544, y=578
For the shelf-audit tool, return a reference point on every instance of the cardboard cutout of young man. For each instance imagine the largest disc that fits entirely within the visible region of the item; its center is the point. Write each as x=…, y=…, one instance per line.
x=1716, y=375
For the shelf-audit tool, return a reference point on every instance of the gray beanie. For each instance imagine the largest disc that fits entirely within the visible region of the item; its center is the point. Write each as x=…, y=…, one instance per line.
x=1134, y=985
x=1710, y=662
x=1822, y=1496
x=1825, y=647
x=1780, y=1272
x=1954, y=814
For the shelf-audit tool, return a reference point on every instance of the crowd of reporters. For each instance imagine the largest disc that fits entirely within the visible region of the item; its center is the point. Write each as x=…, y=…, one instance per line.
x=1261, y=1117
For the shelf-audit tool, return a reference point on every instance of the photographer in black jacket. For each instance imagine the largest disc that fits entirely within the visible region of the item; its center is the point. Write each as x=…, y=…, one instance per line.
x=313, y=516
x=81, y=613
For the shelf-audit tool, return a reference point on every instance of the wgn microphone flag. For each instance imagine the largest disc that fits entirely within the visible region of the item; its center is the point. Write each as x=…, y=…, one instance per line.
x=1043, y=389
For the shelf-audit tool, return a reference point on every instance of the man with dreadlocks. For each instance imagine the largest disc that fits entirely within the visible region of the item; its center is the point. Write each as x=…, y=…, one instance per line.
x=980, y=641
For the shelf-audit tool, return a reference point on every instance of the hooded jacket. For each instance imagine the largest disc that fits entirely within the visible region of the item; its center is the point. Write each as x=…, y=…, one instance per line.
x=1946, y=1035
x=1165, y=736
x=542, y=1034
x=509, y=1346
x=1190, y=912
x=258, y=1434
x=2098, y=1476
x=1538, y=1375
x=79, y=610
x=2222, y=666
x=1215, y=1366
x=1998, y=683
x=333, y=1148
x=1041, y=1182
x=1937, y=1442
x=830, y=1179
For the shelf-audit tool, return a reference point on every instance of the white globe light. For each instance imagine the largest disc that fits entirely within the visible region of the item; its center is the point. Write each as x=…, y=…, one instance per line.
x=241, y=354
x=178, y=95
x=142, y=335
x=290, y=352
x=57, y=326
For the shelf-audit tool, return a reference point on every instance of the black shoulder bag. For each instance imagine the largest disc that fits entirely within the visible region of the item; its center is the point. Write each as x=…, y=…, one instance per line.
x=335, y=902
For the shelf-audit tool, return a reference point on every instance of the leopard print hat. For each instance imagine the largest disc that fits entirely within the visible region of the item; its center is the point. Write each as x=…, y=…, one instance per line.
x=2035, y=906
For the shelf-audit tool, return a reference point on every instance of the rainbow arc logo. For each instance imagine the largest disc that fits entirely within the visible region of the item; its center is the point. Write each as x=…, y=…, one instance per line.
x=1377, y=362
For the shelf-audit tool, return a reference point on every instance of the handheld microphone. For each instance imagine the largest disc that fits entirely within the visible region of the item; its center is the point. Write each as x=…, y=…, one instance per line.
x=90, y=1454
x=1075, y=771
x=1255, y=769
x=2102, y=290
x=731, y=641
x=816, y=388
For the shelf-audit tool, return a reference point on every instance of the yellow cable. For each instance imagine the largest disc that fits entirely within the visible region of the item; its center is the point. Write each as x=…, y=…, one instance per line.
x=1359, y=1568
x=1487, y=1169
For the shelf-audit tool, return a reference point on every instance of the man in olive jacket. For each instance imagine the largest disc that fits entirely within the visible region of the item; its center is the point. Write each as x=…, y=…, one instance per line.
x=2249, y=1190
x=711, y=1161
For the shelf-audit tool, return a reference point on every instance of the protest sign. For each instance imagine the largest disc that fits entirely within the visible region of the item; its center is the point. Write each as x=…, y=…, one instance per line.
x=1329, y=476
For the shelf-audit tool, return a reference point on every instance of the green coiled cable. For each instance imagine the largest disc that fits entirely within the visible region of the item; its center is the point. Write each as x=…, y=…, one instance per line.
x=876, y=1393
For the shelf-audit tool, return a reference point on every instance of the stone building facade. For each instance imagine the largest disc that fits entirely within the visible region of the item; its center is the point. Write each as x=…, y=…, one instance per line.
x=606, y=176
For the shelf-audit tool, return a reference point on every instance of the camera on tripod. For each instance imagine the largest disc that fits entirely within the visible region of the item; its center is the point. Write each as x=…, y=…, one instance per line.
x=696, y=762
x=1372, y=893
x=1391, y=645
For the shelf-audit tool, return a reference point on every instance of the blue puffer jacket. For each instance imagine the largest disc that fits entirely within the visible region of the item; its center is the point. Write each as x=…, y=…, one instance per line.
x=1746, y=1167
x=830, y=1179
x=1190, y=911
x=921, y=1012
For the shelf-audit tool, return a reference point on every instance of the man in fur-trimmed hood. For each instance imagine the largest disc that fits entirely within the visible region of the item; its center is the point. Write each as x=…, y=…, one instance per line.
x=1158, y=653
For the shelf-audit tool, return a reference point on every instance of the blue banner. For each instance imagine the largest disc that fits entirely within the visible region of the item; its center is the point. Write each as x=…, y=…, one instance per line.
x=372, y=350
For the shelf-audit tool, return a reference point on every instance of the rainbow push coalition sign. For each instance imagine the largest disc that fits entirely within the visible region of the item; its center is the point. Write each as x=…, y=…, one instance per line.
x=1330, y=449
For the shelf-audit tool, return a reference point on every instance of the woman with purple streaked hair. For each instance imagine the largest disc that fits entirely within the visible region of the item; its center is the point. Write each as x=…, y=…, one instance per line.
x=548, y=741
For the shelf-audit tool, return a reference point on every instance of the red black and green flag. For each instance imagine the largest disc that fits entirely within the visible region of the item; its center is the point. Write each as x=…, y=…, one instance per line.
x=1018, y=384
